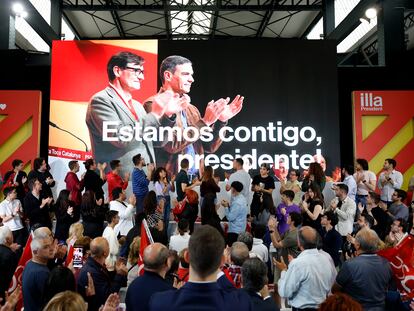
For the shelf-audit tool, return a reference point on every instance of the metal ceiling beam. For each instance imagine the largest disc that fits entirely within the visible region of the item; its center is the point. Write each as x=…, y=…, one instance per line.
x=71, y=26
x=56, y=16
x=117, y=20
x=37, y=22
x=351, y=21
x=311, y=25
x=167, y=18
x=265, y=20
x=193, y=7
x=328, y=17
x=215, y=20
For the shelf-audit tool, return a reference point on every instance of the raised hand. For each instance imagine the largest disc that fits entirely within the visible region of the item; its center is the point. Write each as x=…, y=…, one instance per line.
x=70, y=210
x=214, y=110
x=132, y=200
x=232, y=109
x=112, y=303
x=281, y=265
x=126, y=176
x=90, y=288
x=169, y=103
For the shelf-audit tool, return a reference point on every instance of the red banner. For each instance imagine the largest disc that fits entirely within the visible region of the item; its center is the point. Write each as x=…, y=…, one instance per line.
x=17, y=277
x=69, y=153
x=401, y=258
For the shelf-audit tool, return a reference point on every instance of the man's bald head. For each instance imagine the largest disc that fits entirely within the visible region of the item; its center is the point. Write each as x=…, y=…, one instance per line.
x=239, y=253
x=99, y=247
x=308, y=237
x=155, y=257
x=367, y=241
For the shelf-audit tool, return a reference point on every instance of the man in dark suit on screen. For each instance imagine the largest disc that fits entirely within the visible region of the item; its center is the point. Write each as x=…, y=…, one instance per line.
x=205, y=253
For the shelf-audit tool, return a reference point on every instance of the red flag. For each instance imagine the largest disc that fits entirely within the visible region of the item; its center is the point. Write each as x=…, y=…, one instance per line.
x=401, y=258
x=69, y=256
x=17, y=277
x=146, y=239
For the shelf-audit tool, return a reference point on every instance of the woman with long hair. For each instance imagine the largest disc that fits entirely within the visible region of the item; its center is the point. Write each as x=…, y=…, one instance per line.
x=162, y=187
x=315, y=176
x=66, y=214
x=208, y=183
x=312, y=208
x=93, y=214
x=92, y=181
x=75, y=232
x=209, y=214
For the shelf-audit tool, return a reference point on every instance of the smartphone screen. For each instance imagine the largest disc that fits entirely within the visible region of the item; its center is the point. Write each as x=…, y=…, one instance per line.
x=77, y=257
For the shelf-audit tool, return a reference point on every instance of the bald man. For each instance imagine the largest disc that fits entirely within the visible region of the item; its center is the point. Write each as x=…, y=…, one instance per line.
x=238, y=255
x=310, y=276
x=366, y=277
x=141, y=289
x=104, y=284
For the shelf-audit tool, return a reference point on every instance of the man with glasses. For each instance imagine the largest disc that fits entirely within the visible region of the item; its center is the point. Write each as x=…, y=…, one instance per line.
x=398, y=209
x=115, y=105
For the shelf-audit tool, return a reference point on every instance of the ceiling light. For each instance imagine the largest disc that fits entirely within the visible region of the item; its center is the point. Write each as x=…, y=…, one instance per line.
x=24, y=14
x=18, y=8
x=371, y=13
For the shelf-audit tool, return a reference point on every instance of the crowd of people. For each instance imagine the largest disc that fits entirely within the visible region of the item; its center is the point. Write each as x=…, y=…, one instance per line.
x=303, y=254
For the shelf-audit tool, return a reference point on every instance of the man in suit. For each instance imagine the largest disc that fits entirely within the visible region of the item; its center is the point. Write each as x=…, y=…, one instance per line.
x=254, y=279
x=153, y=281
x=206, y=255
x=176, y=73
x=114, y=118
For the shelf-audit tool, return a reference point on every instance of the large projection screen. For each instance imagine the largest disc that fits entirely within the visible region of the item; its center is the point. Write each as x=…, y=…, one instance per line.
x=290, y=108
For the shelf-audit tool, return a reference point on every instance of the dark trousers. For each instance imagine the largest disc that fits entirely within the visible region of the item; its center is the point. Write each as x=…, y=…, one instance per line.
x=139, y=204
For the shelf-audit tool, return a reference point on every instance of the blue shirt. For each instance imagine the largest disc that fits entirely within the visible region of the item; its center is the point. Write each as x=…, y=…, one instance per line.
x=308, y=280
x=139, y=182
x=33, y=284
x=236, y=214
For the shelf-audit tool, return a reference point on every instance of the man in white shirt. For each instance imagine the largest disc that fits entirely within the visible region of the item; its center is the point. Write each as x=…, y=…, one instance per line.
x=258, y=247
x=365, y=179
x=180, y=241
x=389, y=180
x=345, y=208
x=310, y=276
x=349, y=180
x=11, y=212
x=242, y=176
x=125, y=211
x=109, y=234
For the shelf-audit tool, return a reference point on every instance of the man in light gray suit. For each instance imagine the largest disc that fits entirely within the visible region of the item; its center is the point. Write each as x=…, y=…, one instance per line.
x=113, y=116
